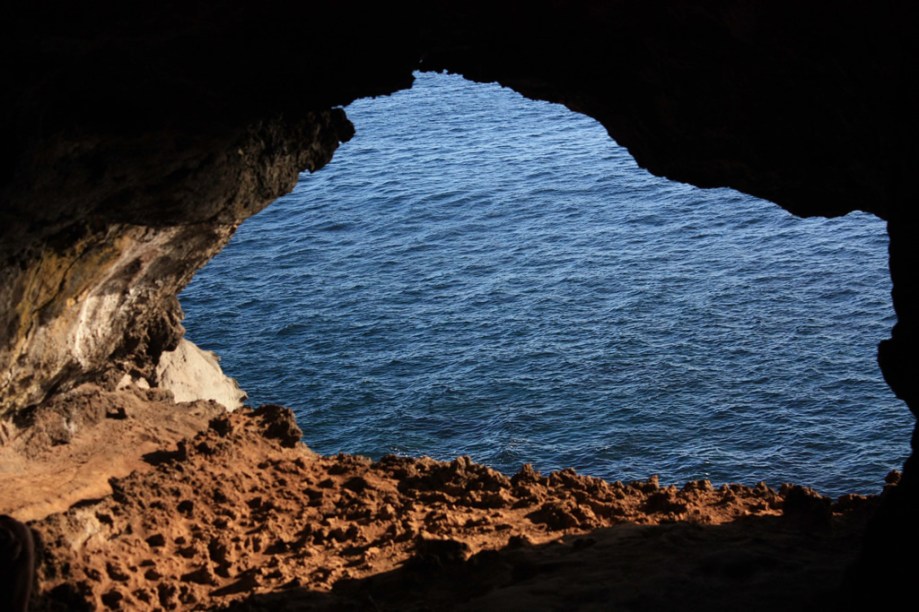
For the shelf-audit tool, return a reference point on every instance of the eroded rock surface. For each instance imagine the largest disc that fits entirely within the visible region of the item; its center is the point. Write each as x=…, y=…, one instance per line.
x=137, y=137
x=96, y=258
x=66, y=450
x=238, y=516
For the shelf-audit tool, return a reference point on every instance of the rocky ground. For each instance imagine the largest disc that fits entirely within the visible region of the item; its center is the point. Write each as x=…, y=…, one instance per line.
x=242, y=515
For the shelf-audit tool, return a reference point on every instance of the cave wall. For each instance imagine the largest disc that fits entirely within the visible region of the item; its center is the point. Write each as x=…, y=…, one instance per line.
x=138, y=138
x=89, y=285
x=139, y=135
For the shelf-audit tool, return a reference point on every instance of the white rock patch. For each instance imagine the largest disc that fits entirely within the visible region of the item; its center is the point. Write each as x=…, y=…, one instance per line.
x=194, y=374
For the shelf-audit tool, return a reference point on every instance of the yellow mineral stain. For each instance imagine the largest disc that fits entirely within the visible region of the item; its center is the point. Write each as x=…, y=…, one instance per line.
x=58, y=282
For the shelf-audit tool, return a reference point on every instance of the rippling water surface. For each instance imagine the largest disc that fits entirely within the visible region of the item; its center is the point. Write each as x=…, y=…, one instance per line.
x=476, y=273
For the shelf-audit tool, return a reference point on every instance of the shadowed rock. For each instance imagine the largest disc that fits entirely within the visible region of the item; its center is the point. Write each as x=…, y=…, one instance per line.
x=136, y=141
x=17, y=564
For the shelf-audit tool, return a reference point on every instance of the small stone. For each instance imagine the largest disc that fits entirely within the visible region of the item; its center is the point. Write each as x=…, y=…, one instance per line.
x=387, y=511
x=117, y=413
x=116, y=573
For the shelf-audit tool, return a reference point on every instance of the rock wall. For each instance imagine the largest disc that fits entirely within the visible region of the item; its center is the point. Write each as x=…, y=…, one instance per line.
x=139, y=135
x=101, y=235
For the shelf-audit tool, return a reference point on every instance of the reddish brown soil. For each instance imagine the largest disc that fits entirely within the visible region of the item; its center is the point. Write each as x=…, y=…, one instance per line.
x=65, y=451
x=245, y=516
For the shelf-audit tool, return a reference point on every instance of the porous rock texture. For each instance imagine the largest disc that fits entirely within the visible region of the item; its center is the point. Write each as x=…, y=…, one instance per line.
x=244, y=516
x=137, y=136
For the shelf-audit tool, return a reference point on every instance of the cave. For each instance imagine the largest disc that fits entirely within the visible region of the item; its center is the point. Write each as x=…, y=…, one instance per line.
x=139, y=138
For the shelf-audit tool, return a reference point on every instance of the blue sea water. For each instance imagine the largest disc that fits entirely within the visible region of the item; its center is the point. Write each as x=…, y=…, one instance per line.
x=476, y=273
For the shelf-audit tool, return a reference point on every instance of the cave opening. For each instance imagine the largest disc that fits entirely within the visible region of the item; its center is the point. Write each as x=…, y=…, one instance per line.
x=478, y=273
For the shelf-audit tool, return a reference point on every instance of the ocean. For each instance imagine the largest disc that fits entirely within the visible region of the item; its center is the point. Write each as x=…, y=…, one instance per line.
x=480, y=274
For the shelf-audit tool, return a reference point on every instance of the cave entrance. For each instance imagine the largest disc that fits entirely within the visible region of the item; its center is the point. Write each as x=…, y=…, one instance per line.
x=478, y=273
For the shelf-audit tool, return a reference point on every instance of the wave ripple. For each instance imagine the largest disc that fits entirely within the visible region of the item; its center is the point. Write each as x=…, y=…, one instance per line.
x=481, y=274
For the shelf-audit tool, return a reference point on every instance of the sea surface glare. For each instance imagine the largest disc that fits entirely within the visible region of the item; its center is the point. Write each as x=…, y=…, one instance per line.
x=476, y=273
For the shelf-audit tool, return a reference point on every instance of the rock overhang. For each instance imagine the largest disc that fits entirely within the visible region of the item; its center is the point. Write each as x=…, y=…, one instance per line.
x=140, y=137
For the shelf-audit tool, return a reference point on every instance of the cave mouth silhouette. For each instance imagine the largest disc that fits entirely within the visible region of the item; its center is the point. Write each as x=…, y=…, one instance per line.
x=801, y=105
x=489, y=136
